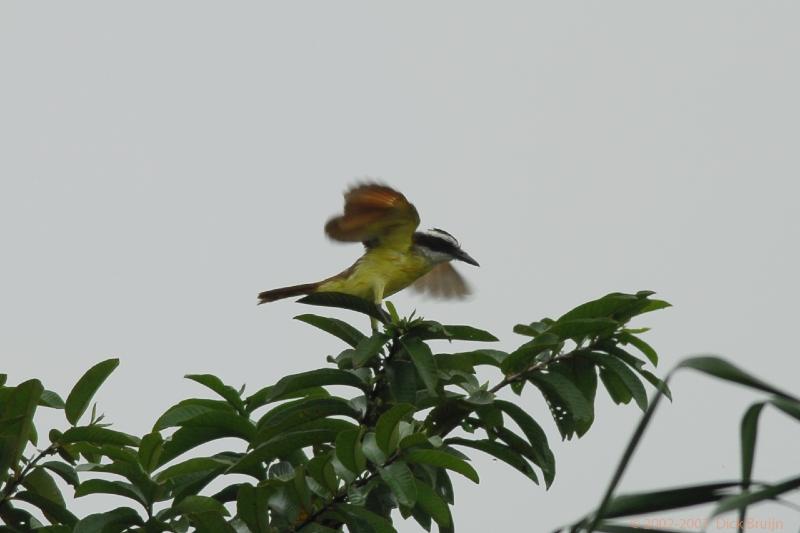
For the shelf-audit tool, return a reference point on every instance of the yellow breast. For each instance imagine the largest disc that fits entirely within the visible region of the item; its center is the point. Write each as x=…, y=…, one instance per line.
x=378, y=273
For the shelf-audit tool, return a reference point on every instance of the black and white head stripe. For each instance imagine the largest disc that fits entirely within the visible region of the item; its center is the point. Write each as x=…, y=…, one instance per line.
x=437, y=240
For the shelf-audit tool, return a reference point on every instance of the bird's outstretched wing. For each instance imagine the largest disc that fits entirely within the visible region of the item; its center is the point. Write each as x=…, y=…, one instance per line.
x=443, y=281
x=375, y=214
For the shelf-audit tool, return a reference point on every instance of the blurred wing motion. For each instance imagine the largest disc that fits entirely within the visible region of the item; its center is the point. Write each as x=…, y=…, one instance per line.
x=375, y=214
x=443, y=281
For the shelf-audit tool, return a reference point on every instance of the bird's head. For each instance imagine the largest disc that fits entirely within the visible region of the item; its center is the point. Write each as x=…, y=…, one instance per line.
x=439, y=246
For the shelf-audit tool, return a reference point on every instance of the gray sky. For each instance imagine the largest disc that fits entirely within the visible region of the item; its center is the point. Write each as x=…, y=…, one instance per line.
x=162, y=163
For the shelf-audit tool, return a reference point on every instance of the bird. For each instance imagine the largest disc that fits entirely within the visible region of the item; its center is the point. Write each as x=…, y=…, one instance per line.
x=395, y=256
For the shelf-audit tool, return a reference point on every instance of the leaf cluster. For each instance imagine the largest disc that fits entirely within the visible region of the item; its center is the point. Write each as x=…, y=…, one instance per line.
x=384, y=428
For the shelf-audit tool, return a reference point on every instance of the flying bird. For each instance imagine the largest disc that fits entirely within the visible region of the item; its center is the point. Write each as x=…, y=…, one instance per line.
x=396, y=255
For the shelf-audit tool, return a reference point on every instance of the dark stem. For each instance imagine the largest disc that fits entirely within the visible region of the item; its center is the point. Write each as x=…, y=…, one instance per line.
x=15, y=481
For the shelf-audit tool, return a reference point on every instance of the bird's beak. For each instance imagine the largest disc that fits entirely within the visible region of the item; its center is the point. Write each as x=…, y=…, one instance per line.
x=464, y=256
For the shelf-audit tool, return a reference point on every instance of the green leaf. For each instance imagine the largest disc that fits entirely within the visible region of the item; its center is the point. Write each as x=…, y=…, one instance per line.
x=368, y=349
x=467, y=361
x=150, y=450
x=642, y=346
x=787, y=406
x=113, y=521
x=433, y=505
x=84, y=390
x=579, y=328
x=566, y=401
x=454, y=333
x=348, y=450
x=103, y=486
x=186, y=409
x=251, y=506
x=500, y=451
x=288, y=416
x=423, y=360
x=346, y=301
x=666, y=499
x=282, y=445
x=523, y=357
x=232, y=424
x=402, y=379
x=625, y=375
x=335, y=327
x=16, y=422
x=442, y=459
x=43, y=484
x=719, y=368
x=745, y=499
x=617, y=306
x=194, y=465
x=386, y=432
x=51, y=399
x=55, y=512
x=401, y=481
x=304, y=380
x=749, y=430
x=63, y=470
x=97, y=435
x=536, y=438
x=196, y=504
x=230, y=394
x=356, y=515
x=187, y=438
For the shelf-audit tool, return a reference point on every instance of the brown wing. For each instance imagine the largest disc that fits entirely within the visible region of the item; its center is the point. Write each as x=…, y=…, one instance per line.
x=443, y=281
x=371, y=212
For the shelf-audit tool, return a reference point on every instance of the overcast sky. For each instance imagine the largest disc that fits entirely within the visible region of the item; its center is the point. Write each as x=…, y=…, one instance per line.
x=161, y=163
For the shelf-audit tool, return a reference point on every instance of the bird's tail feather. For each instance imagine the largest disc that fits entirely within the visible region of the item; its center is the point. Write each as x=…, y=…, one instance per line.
x=286, y=292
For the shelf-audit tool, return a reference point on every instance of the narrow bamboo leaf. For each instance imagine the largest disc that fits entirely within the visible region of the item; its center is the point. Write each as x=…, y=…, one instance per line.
x=116, y=520
x=368, y=348
x=433, y=505
x=745, y=499
x=386, y=434
x=442, y=459
x=666, y=499
x=719, y=368
x=608, y=527
x=500, y=451
x=304, y=380
x=346, y=301
x=787, y=406
x=423, y=360
x=748, y=432
x=84, y=390
x=625, y=375
x=16, y=421
x=227, y=392
x=401, y=481
x=97, y=435
x=335, y=327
